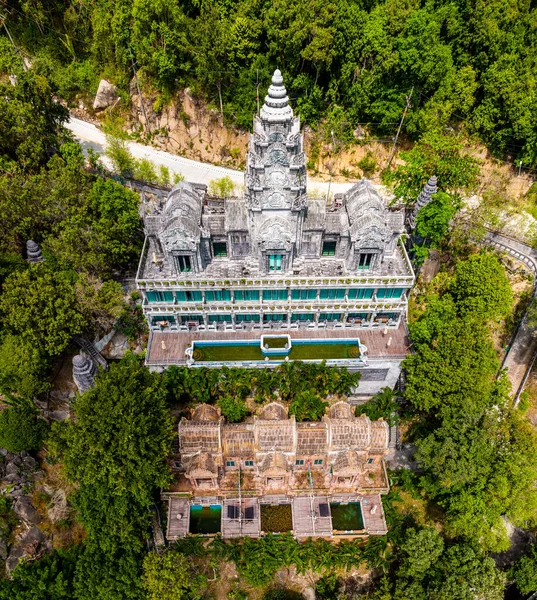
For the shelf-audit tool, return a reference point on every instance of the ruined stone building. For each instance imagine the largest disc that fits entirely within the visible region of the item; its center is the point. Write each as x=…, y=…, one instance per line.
x=272, y=459
x=276, y=260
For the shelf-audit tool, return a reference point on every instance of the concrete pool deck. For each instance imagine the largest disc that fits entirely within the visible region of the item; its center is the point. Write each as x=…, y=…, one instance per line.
x=168, y=347
x=307, y=521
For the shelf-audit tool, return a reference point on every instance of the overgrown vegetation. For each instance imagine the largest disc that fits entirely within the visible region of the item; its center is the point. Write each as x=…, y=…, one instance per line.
x=349, y=62
x=304, y=385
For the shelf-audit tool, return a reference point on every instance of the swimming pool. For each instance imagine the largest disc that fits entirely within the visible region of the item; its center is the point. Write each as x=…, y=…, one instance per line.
x=251, y=351
x=346, y=517
x=205, y=519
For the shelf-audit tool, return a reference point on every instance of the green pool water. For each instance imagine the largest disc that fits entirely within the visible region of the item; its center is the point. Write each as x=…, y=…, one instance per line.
x=218, y=353
x=205, y=519
x=276, y=342
x=276, y=518
x=346, y=517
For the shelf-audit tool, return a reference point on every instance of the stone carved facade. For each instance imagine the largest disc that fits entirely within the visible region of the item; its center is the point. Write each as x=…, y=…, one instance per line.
x=344, y=452
x=275, y=258
x=275, y=213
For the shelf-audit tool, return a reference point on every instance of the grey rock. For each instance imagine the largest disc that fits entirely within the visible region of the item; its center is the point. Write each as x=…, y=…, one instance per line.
x=24, y=510
x=23, y=454
x=16, y=492
x=29, y=463
x=12, y=468
x=17, y=552
x=34, y=537
x=16, y=460
x=13, y=478
x=3, y=451
x=3, y=550
x=106, y=95
x=9, y=456
x=59, y=415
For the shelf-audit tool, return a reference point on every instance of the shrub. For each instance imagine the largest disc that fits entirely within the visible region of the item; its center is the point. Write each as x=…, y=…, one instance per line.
x=234, y=409
x=21, y=429
x=368, y=164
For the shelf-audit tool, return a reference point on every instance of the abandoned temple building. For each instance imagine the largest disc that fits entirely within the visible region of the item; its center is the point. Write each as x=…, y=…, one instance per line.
x=271, y=473
x=330, y=276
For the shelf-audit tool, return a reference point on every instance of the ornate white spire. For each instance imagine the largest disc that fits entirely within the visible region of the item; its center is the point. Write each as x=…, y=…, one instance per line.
x=423, y=199
x=276, y=108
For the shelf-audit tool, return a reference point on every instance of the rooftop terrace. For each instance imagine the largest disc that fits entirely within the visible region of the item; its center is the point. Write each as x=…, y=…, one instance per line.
x=168, y=347
x=311, y=515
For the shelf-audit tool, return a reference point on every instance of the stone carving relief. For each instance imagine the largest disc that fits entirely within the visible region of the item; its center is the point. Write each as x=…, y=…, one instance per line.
x=275, y=200
x=300, y=202
x=275, y=234
x=276, y=178
x=373, y=237
x=179, y=240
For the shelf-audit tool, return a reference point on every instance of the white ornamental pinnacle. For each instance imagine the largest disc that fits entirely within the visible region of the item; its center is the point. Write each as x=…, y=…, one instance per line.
x=423, y=199
x=83, y=372
x=276, y=108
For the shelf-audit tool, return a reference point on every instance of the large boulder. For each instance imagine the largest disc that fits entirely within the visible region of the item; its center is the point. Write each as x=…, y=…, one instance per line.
x=106, y=95
x=59, y=508
x=14, y=558
x=24, y=510
x=32, y=545
x=3, y=550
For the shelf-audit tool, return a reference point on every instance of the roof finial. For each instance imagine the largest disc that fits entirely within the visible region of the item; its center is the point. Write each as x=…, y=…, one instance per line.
x=276, y=108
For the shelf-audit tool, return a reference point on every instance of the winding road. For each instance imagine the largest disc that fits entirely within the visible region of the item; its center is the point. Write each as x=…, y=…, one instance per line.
x=523, y=350
x=91, y=136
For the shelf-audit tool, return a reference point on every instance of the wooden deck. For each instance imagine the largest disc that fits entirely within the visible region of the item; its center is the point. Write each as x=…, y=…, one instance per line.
x=307, y=521
x=168, y=347
x=373, y=515
x=233, y=528
x=178, y=527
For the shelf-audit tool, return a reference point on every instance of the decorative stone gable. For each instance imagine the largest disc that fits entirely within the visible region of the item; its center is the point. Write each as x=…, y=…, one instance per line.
x=276, y=166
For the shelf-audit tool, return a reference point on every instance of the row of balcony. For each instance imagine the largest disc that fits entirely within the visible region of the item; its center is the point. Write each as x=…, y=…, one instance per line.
x=195, y=323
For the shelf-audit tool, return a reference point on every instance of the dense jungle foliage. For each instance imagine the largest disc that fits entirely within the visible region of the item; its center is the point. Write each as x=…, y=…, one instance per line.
x=467, y=63
x=476, y=453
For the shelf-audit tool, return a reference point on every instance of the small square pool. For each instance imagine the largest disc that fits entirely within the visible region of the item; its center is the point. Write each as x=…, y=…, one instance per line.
x=276, y=518
x=205, y=519
x=346, y=517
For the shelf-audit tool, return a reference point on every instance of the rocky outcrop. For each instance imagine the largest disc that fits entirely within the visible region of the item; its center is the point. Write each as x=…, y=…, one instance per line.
x=24, y=509
x=106, y=95
x=58, y=509
x=32, y=545
x=116, y=347
x=187, y=127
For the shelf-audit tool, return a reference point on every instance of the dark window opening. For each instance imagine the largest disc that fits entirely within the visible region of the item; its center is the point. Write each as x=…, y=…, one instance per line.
x=184, y=263
x=364, y=261
x=329, y=248
x=219, y=249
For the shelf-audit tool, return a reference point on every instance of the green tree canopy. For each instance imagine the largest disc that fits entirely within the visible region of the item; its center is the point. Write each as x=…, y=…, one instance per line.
x=40, y=305
x=170, y=576
x=30, y=120
x=481, y=287
x=524, y=572
x=307, y=406
x=115, y=452
x=23, y=368
x=21, y=429
x=435, y=154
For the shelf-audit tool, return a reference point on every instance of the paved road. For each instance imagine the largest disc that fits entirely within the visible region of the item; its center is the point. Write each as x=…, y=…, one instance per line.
x=521, y=355
x=198, y=172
